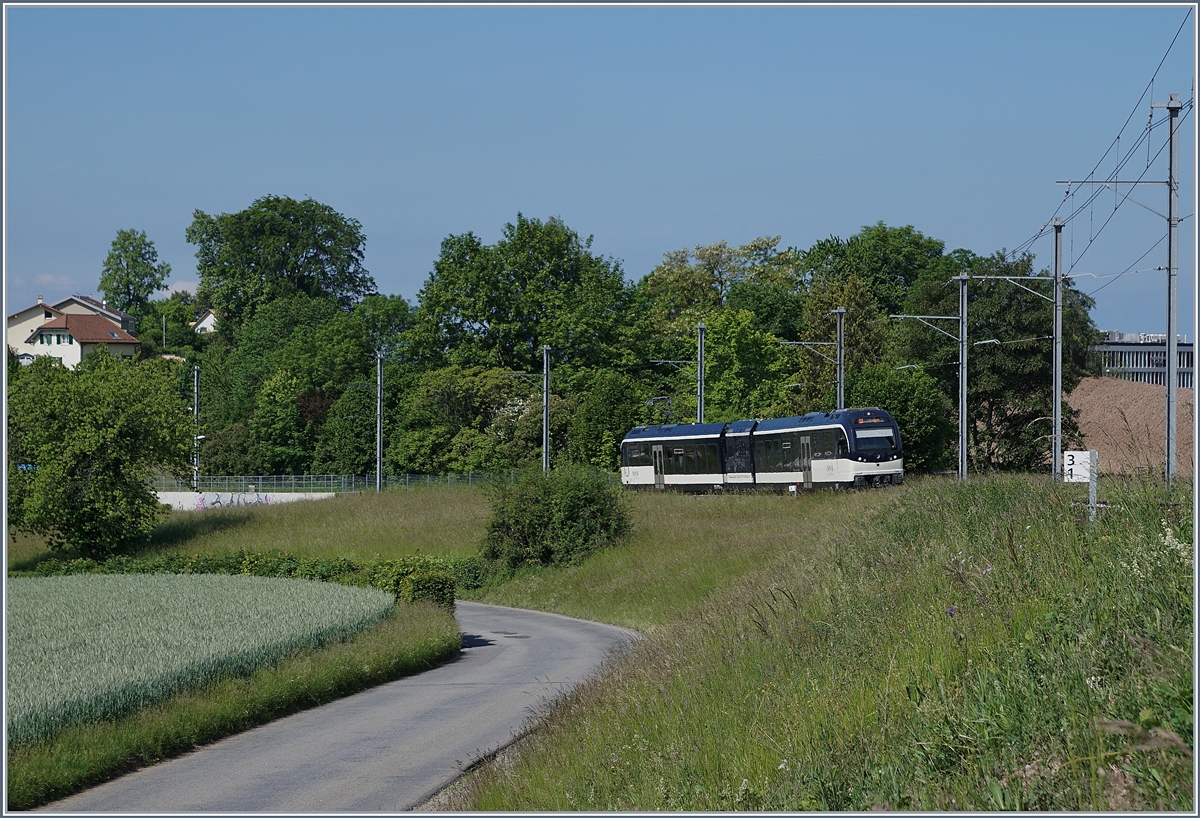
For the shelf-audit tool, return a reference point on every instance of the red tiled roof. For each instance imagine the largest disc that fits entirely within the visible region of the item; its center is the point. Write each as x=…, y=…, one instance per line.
x=86, y=329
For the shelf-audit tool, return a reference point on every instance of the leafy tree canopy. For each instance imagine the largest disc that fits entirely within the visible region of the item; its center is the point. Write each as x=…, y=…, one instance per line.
x=83, y=444
x=498, y=305
x=888, y=259
x=272, y=249
x=132, y=272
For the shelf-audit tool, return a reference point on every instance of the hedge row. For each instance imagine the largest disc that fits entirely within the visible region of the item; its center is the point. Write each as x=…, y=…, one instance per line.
x=409, y=578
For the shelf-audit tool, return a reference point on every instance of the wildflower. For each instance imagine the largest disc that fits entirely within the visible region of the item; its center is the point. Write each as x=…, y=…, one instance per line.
x=1008, y=615
x=783, y=766
x=952, y=610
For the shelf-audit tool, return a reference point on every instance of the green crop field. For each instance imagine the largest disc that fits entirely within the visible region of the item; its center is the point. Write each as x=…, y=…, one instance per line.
x=83, y=648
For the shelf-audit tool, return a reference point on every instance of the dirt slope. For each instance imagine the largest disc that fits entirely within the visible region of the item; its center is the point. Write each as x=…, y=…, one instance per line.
x=1125, y=422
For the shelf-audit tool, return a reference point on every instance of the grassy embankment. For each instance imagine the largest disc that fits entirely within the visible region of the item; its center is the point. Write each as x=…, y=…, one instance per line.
x=938, y=647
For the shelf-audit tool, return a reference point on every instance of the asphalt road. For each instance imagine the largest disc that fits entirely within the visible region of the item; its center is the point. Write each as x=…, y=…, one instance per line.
x=386, y=749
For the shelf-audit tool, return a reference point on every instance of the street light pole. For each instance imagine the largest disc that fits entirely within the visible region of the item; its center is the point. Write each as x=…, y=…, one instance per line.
x=378, y=422
x=545, y=409
x=1173, y=108
x=196, y=427
x=700, y=373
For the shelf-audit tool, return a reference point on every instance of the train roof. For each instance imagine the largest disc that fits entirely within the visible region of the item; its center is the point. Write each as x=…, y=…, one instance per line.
x=841, y=417
x=676, y=430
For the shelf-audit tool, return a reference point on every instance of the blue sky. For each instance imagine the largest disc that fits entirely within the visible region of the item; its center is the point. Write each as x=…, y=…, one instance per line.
x=651, y=129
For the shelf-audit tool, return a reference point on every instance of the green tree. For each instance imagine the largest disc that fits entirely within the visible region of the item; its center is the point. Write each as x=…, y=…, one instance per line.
x=456, y=419
x=498, y=305
x=132, y=272
x=346, y=444
x=279, y=427
x=274, y=248
x=1009, y=384
x=887, y=259
x=83, y=444
x=865, y=337
x=919, y=406
x=610, y=405
x=744, y=367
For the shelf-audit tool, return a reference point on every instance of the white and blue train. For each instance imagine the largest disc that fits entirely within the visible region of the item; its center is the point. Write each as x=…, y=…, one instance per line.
x=848, y=447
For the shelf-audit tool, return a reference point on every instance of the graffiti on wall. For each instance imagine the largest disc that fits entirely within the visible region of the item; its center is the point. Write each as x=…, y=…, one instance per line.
x=219, y=500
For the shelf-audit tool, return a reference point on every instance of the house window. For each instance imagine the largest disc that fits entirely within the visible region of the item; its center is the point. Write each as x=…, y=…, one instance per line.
x=71, y=340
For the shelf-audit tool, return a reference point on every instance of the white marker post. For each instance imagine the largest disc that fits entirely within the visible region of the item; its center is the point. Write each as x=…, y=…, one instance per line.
x=1080, y=467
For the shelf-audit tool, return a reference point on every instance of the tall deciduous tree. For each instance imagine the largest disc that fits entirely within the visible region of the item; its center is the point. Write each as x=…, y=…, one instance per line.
x=539, y=285
x=132, y=272
x=888, y=259
x=83, y=444
x=274, y=248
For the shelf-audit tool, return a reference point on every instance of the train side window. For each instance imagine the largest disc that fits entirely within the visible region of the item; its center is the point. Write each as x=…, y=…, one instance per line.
x=714, y=462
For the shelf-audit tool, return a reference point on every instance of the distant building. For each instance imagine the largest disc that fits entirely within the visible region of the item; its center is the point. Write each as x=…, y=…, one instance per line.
x=69, y=329
x=207, y=322
x=21, y=324
x=70, y=336
x=1142, y=357
x=86, y=305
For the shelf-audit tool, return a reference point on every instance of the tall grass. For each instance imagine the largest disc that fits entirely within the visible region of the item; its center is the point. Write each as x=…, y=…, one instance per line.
x=976, y=647
x=359, y=526
x=682, y=549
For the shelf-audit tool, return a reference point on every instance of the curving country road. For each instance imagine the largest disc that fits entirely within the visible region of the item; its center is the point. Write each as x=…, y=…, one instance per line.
x=388, y=748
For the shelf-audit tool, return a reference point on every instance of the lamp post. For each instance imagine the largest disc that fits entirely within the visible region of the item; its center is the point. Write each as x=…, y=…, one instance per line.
x=378, y=422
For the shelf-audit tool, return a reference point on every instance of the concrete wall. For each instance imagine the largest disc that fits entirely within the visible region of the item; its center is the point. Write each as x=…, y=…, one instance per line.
x=192, y=501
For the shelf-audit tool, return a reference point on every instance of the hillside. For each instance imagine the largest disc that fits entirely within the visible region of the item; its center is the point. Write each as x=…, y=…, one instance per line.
x=1125, y=423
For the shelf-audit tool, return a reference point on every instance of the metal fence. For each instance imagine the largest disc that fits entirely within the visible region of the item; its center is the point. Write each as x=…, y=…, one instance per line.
x=336, y=483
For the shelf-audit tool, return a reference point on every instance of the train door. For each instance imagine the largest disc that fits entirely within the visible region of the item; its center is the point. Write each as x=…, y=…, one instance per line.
x=806, y=459
x=657, y=453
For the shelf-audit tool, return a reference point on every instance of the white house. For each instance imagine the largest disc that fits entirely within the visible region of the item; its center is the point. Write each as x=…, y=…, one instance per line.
x=207, y=322
x=70, y=336
x=21, y=324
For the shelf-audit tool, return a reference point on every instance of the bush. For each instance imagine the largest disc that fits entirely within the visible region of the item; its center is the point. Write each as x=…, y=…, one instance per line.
x=435, y=586
x=554, y=519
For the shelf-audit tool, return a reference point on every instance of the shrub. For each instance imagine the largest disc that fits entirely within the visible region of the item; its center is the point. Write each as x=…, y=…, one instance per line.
x=270, y=564
x=435, y=586
x=554, y=519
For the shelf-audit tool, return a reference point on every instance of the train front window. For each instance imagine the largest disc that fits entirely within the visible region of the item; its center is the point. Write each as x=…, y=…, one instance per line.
x=874, y=440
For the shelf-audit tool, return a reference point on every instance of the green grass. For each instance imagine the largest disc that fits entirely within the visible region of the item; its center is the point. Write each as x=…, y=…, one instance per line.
x=977, y=647
x=447, y=523
x=88, y=647
x=411, y=639
x=683, y=548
